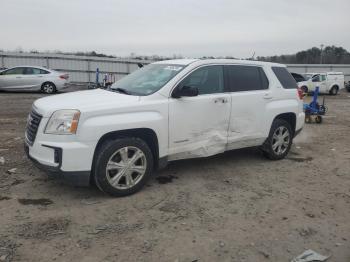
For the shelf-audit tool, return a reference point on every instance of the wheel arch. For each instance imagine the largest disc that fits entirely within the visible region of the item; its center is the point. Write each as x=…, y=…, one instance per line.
x=290, y=117
x=146, y=134
x=336, y=86
x=305, y=87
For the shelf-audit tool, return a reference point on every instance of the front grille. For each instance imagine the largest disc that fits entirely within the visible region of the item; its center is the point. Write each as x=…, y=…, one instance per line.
x=32, y=126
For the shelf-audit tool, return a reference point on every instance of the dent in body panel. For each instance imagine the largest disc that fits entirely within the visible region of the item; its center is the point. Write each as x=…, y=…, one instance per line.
x=205, y=143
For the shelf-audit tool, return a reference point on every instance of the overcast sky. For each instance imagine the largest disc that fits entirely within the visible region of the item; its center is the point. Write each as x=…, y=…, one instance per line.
x=191, y=28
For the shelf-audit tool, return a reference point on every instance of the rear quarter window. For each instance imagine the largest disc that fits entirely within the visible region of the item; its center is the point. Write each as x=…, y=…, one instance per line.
x=284, y=77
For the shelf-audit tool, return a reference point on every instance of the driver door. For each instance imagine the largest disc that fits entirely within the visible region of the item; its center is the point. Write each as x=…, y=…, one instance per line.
x=198, y=125
x=12, y=79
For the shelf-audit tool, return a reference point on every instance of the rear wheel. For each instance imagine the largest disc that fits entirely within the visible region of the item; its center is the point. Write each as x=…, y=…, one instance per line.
x=123, y=166
x=318, y=119
x=48, y=88
x=278, y=144
x=334, y=91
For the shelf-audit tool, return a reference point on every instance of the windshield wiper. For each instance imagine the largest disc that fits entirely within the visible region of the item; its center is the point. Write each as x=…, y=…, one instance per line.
x=121, y=90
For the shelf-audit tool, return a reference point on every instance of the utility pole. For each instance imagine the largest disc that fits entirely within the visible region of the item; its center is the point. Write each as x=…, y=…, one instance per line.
x=322, y=45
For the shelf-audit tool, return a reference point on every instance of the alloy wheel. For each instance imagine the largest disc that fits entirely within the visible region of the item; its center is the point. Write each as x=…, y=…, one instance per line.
x=126, y=167
x=48, y=88
x=280, y=140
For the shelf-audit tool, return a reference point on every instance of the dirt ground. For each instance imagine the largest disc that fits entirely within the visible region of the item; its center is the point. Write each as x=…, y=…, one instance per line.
x=236, y=206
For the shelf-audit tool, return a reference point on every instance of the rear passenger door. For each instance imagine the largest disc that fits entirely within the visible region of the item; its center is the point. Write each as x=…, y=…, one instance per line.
x=249, y=89
x=32, y=78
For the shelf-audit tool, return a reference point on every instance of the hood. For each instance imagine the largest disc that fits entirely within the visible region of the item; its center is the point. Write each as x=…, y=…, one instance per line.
x=83, y=101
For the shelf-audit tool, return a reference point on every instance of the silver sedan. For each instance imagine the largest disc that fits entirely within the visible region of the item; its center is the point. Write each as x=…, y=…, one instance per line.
x=32, y=78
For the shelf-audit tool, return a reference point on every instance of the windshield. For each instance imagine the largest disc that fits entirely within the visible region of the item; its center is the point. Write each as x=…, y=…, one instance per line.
x=147, y=80
x=308, y=76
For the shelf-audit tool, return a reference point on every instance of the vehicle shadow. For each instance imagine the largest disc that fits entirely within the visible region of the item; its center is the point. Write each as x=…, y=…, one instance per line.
x=251, y=154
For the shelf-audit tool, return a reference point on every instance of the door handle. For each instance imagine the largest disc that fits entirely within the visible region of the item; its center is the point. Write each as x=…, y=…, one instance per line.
x=267, y=96
x=18, y=77
x=223, y=100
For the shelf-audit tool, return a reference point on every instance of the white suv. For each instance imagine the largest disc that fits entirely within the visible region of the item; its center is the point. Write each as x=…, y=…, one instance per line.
x=165, y=111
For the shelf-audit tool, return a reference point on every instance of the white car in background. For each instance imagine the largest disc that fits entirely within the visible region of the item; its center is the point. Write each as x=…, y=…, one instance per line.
x=330, y=82
x=29, y=78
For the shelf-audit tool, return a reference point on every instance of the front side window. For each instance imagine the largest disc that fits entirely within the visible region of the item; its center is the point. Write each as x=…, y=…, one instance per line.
x=246, y=78
x=208, y=80
x=147, y=80
x=14, y=71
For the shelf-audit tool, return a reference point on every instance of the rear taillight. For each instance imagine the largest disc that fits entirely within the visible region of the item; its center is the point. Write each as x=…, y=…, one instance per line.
x=65, y=76
x=300, y=93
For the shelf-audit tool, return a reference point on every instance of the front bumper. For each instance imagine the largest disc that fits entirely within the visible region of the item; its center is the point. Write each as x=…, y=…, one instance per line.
x=77, y=178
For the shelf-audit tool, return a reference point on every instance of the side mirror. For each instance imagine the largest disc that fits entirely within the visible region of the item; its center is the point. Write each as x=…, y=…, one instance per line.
x=185, y=91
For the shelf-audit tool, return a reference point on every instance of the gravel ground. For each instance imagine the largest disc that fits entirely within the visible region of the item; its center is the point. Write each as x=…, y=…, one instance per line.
x=236, y=206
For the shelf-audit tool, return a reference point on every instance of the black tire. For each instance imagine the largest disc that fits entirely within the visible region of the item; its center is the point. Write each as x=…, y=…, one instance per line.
x=318, y=119
x=307, y=119
x=267, y=147
x=102, y=177
x=334, y=91
x=304, y=89
x=48, y=88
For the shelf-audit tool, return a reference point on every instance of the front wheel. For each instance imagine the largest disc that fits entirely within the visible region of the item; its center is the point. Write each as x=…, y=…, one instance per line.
x=278, y=144
x=304, y=89
x=123, y=166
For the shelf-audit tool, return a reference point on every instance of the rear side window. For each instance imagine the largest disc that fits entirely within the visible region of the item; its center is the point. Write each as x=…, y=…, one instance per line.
x=31, y=71
x=284, y=77
x=43, y=72
x=246, y=78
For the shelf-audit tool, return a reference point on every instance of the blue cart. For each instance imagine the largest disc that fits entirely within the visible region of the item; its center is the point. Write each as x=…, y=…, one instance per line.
x=314, y=109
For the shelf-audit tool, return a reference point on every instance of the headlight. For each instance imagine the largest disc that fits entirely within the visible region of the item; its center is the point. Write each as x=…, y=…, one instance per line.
x=63, y=122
